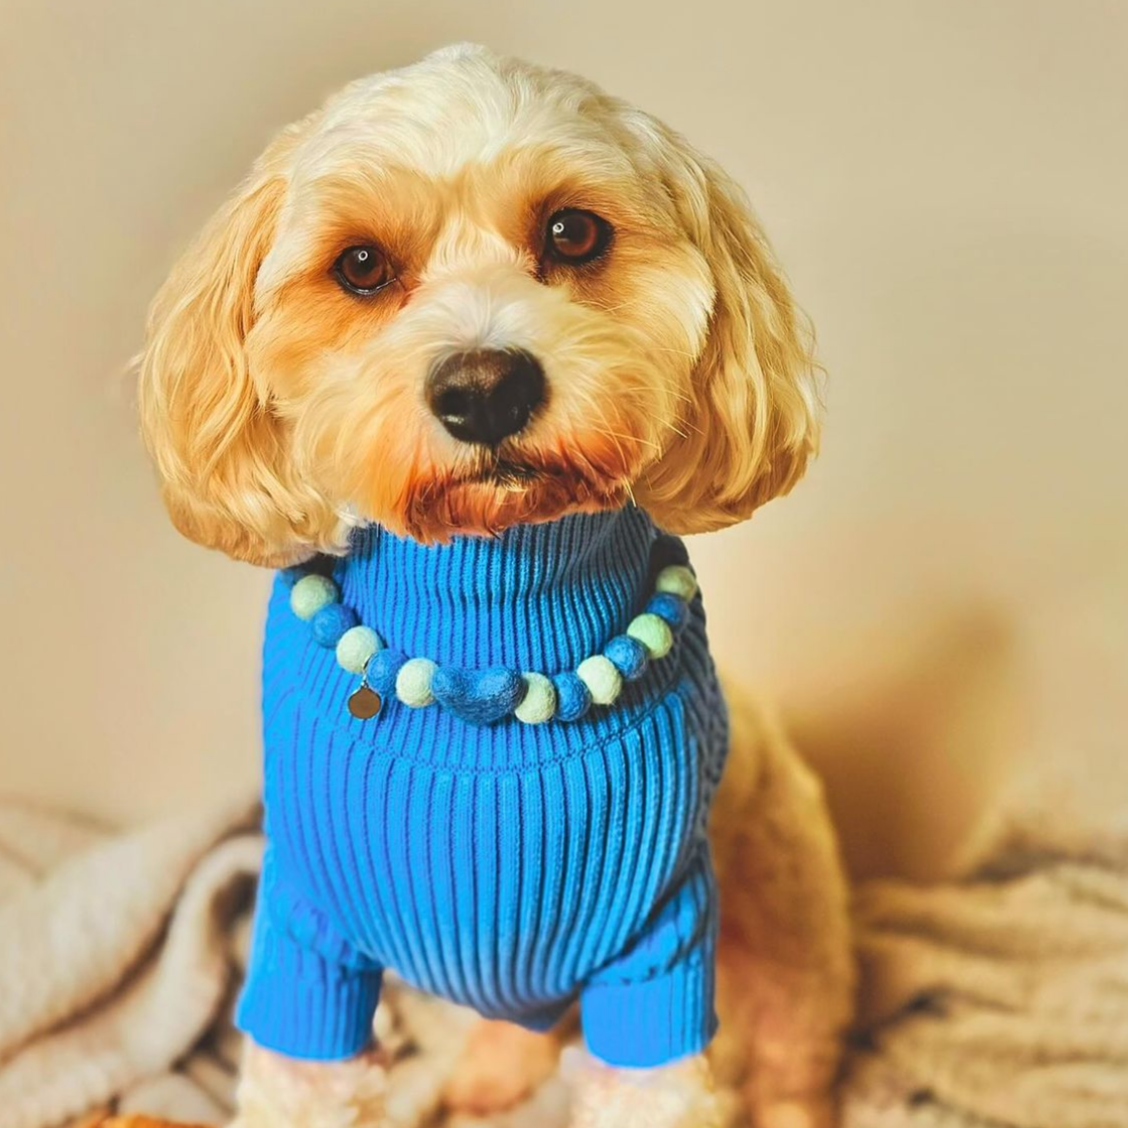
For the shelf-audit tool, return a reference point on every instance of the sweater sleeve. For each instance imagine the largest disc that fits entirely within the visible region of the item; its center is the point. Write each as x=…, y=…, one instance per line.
x=308, y=993
x=654, y=1004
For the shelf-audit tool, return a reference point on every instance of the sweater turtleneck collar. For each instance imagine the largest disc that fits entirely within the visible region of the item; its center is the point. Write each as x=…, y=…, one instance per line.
x=536, y=597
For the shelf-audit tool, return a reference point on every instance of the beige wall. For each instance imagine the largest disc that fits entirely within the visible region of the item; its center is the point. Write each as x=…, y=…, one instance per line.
x=945, y=182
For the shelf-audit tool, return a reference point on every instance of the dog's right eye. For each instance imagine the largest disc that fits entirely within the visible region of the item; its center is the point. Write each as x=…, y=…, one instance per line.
x=363, y=270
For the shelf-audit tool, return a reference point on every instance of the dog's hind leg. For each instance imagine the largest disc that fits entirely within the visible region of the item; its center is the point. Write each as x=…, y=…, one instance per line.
x=785, y=969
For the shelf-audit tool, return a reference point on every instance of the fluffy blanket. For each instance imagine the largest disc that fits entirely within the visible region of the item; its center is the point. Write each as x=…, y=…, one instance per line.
x=115, y=959
x=1000, y=998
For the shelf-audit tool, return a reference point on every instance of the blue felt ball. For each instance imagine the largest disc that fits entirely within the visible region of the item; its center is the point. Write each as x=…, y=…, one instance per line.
x=573, y=698
x=628, y=655
x=479, y=697
x=331, y=622
x=383, y=667
x=670, y=607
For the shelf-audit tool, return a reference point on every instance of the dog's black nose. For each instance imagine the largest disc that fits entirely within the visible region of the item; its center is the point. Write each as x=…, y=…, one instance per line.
x=484, y=395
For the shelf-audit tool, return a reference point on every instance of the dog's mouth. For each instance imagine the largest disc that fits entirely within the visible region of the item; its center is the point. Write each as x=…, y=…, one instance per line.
x=501, y=488
x=506, y=473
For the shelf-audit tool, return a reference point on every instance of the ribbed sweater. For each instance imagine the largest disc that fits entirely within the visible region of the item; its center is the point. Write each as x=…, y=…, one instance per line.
x=509, y=867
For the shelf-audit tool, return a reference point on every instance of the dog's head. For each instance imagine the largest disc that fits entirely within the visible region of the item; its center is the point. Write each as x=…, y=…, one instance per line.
x=465, y=295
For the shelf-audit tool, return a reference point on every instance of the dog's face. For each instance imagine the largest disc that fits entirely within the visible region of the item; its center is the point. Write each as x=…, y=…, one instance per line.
x=465, y=295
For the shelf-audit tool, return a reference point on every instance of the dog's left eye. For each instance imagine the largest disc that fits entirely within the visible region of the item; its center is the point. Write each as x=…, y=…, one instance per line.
x=575, y=236
x=363, y=270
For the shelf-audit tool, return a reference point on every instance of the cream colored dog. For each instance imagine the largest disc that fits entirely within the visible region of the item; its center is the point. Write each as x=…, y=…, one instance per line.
x=472, y=201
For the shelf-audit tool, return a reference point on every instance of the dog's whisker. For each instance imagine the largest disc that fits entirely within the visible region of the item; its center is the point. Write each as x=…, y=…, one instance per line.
x=597, y=406
x=673, y=426
x=619, y=435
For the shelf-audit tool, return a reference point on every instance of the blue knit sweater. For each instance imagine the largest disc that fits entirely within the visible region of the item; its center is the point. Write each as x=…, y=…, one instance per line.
x=509, y=867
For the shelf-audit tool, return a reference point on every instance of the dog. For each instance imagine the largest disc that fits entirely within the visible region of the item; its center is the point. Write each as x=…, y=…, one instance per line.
x=471, y=324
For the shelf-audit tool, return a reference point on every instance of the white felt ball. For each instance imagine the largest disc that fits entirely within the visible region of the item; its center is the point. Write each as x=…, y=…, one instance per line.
x=356, y=646
x=678, y=580
x=603, y=680
x=310, y=594
x=539, y=703
x=653, y=632
x=413, y=682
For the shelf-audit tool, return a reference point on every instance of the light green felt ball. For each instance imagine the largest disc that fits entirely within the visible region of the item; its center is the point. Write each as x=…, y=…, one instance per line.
x=356, y=646
x=653, y=632
x=678, y=580
x=311, y=593
x=539, y=703
x=603, y=680
x=413, y=682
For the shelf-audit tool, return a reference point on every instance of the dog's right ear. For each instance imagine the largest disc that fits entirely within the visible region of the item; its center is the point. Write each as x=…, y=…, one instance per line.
x=220, y=451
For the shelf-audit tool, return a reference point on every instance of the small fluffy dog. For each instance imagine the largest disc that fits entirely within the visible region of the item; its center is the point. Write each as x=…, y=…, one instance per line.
x=487, y=339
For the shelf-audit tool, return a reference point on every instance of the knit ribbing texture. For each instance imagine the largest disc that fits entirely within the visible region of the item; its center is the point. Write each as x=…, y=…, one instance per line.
x=509, y=867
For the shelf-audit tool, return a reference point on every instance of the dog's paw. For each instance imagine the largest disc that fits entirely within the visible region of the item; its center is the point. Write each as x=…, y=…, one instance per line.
x=680, y=1095
x=278, y=1092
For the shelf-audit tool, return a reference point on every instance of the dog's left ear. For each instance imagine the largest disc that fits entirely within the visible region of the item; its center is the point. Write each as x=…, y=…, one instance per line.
x=753, y=422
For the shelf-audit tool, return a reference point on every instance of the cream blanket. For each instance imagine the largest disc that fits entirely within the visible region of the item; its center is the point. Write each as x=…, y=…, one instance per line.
x=1002, y=998
x=999, y=998
x=114, y=957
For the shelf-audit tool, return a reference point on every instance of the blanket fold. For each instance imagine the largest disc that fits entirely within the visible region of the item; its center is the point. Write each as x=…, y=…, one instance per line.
x=113, y=951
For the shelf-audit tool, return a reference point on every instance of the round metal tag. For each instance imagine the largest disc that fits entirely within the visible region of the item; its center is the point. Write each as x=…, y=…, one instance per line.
x=364, y=702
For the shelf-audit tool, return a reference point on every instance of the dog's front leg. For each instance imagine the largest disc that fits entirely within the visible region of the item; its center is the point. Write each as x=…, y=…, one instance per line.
x=679, y=1095
x=281, y=1092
